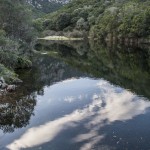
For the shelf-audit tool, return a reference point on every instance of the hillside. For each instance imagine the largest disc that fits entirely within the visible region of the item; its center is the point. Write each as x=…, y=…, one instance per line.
x=100, y=18
x=46, y=6
x=16, y=37
x=17, y=34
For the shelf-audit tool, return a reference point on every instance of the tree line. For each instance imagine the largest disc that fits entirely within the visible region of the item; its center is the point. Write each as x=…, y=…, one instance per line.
x=16, y=36
x=126, y=18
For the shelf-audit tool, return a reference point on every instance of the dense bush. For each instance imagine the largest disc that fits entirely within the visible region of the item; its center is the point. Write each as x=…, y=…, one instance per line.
x=63, y=21
x=16, y=36
x=128, y=18
x=9, y=75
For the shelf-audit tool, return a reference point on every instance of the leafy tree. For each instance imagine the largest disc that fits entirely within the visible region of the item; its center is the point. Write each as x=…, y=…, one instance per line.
x=16, y=33
x=82, y=24
x=63, y=21
x=128, y=18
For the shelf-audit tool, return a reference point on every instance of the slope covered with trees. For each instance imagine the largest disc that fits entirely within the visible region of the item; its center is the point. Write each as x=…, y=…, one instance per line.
x=17, y=34
x=45, y=6
x=16, y=37
x=96, y=18
x=41, y=7
x=125, y=18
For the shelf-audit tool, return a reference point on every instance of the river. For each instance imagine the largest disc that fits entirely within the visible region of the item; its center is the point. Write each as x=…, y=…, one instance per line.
x=80, y=96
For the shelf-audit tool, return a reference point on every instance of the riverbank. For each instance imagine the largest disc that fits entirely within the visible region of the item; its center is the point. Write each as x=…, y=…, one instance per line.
x=8, y=75
x=8, y=80
x=60, y=38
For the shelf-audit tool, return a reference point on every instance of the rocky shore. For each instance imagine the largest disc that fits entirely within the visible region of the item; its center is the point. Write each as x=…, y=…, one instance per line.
x=4, y=87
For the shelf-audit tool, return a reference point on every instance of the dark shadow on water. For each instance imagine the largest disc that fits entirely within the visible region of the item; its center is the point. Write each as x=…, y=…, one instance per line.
x=126, y=66
x=18, y=107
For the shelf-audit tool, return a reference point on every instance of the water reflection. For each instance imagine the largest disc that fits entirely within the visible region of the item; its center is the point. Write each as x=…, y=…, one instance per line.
x=65, y=104
x=16, y=110
x=108, y=104
x=126, y=66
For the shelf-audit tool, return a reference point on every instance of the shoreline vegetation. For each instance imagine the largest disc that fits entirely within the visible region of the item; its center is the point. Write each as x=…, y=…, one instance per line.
x=98, y=19
x=17, y=38
x=109, y=38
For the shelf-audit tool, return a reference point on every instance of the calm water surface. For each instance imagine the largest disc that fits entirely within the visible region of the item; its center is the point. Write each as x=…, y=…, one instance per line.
x=80, y=96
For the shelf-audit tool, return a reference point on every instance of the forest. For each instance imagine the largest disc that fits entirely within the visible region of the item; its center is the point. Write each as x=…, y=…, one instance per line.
x=21, y=22
x=100, y=18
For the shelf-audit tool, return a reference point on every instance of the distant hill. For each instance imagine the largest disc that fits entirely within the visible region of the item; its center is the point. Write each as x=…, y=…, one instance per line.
x=47, y=6
x=101, y=18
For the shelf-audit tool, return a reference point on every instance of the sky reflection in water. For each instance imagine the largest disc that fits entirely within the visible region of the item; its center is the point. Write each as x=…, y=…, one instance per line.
x=93, y=104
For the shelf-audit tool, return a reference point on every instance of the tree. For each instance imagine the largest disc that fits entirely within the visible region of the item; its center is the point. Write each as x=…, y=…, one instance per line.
x=15, y=19
x=82, y=24
x=63, y=21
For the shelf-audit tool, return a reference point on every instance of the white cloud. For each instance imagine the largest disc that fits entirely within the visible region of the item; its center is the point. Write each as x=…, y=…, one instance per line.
x=109, y=105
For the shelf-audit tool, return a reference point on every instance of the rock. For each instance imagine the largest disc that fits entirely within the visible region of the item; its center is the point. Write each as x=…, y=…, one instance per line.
x=11, y=88
x=2, y=80
x=3, y=85
x=2, y=92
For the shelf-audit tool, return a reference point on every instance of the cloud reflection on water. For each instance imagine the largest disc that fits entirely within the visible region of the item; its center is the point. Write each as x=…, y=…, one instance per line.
x=110, y=104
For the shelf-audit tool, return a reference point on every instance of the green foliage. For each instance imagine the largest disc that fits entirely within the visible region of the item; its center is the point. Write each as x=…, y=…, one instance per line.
x=128, y=18
x=16, y=36
x=135, y=19
x=8, y=74
x=13, y=60
x=2, y=38
x=15, y=19
x=82, y=24
x=63, y=21
x=44, y=6
x=38, y=24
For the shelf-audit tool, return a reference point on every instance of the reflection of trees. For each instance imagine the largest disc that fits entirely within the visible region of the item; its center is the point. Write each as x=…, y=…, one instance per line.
x=16, y=108
x=50, y=70
x=16, y=114
x=123, y=65
x=65, y=47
